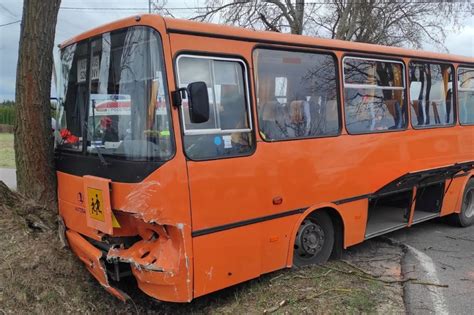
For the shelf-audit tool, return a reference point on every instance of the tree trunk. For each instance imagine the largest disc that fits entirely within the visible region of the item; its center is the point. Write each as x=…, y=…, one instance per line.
x=33, y=133
x=348, y=21
x=299, y=17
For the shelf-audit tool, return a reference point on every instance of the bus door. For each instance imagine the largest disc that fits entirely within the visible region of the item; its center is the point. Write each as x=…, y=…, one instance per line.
x=228, y=183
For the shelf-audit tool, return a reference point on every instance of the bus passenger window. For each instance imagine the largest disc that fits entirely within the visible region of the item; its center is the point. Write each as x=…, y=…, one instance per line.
x=296, y=94
x=431, y=94
x=228, y=132
x=466, y=96
x=374, y=95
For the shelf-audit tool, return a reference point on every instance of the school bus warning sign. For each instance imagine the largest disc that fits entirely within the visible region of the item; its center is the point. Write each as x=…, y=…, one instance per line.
x=96, y=204
x=99, y=211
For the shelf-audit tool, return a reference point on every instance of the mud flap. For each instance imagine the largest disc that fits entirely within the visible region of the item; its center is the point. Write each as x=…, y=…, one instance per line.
x=92, y=258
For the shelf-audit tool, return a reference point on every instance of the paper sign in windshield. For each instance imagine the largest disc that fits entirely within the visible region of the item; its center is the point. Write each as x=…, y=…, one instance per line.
x=81, y=70
x=95, y=66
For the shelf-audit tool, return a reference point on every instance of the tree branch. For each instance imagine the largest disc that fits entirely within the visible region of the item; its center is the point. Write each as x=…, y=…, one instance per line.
x=270, y=26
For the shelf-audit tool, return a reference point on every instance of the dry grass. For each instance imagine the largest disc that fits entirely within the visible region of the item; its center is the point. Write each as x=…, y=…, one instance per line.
x=38, y=276
x=7, y=154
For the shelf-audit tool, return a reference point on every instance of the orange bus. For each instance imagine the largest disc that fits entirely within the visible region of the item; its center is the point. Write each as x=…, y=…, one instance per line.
x=194, y=156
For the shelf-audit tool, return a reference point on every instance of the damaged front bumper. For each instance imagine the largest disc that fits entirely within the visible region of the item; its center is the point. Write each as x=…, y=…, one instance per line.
x=92, y=257
x=125, y=230
x=156, y=259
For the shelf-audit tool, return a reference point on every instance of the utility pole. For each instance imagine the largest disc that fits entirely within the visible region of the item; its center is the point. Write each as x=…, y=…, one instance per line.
x=149, y=6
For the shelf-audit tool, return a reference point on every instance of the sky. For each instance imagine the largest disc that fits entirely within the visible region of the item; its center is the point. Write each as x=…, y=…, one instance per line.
x=73, y=21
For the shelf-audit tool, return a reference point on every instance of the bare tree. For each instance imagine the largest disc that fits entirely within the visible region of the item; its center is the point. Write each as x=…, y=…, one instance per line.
x=273, y=15
x=394, y=23
x=33, y=133
x=159, y=6
x=389, y=22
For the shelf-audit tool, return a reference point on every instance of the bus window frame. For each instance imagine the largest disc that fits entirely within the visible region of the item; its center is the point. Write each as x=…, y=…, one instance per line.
x=455, y=100
x=461, y=66
x=247, y=75
x=394, y=59
x=166, y=85
x=191, y=132
x=282, y=47
x=79, y=163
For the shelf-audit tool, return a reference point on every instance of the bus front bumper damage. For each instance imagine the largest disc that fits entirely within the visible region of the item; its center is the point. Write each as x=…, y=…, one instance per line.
x=157, y=261
x=92, y=258
x=136, y=238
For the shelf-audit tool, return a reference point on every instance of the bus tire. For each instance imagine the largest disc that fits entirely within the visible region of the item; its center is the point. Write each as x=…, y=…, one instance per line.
x=314, y=240
x=466, y=216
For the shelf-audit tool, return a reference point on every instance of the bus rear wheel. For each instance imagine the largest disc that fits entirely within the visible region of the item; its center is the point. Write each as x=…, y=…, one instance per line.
x=466, y=216
x=314, y=240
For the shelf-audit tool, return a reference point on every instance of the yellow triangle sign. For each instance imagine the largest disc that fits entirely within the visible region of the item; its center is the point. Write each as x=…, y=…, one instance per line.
x=115, y=222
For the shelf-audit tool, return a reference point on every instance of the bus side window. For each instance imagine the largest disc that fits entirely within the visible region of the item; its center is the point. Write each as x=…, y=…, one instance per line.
x=466, y=95
x=228, y=132
x=431, y=94
x=296, y=94
x=374, y=95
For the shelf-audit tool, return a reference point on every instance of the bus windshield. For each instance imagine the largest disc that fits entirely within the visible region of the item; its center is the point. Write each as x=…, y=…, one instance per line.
x=114, y=98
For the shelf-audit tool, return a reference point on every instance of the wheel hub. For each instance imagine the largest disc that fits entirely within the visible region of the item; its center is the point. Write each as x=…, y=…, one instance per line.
x=309, y=239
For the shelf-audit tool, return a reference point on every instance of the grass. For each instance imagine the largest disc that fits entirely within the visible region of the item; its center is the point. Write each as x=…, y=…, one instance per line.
x=7, y=154
x=38, y=276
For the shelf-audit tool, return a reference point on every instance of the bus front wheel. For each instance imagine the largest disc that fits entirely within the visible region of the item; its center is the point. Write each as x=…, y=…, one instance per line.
x=466, y=216
x=314, y=240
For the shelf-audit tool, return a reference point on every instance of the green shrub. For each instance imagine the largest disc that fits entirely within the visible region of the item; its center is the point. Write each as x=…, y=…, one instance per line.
x=7, y=113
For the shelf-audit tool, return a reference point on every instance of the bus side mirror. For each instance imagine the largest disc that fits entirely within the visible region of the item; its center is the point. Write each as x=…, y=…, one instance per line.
x=198, y=102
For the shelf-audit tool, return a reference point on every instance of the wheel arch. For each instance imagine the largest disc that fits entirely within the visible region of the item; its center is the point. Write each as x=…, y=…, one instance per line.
x=469, y=177
x=338, y=223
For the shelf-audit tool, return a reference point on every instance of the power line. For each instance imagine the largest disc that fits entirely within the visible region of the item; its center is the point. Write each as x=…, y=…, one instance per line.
x=126, y=9
x=216, y=7
x=14, y=22
x=102, y=9
x=8, y=11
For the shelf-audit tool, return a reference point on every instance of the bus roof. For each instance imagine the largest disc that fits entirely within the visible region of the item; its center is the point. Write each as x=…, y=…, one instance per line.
x=223, y=31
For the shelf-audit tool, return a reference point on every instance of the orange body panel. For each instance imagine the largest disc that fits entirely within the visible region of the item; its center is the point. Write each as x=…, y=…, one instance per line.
x=200, y=223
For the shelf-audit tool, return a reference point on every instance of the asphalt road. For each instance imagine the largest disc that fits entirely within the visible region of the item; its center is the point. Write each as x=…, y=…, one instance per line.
x=438, y=253
x=8, y=176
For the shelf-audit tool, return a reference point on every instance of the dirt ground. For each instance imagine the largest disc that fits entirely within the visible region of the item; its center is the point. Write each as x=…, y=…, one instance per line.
x=37, y=275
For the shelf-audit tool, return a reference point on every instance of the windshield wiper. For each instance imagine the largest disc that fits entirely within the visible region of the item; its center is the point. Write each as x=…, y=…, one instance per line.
x=101, y=157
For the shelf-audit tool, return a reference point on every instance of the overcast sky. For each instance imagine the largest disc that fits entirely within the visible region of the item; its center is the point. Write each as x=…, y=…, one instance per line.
x=72, y=21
